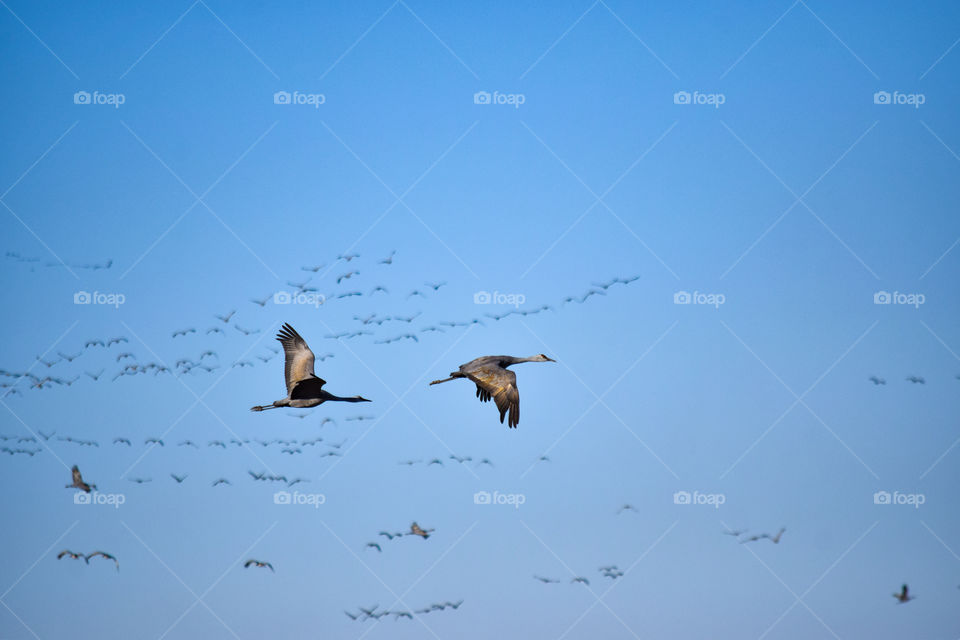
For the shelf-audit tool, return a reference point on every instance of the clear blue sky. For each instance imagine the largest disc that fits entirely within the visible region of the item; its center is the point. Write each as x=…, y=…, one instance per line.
x=795, y=200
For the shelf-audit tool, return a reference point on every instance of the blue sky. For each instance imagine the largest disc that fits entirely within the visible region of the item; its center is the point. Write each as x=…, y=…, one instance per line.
x=800, y=188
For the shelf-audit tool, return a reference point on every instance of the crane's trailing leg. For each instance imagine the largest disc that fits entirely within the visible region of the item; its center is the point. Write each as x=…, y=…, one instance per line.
x=260, y=407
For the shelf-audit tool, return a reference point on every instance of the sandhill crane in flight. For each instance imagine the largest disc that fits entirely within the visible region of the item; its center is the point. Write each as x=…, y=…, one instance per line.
x=179, y=479
x=257, y=563
x=581, y=580
x=546, y=580
x=374, y=545
x=103, y=554
x=389, y=258
x=415, y=530
x=78, y=482
x=71, y=554
x=916, y=380
x=304, y=388
x=495, y=381
x=904, y=595
x=876, y=381
x=225, y=318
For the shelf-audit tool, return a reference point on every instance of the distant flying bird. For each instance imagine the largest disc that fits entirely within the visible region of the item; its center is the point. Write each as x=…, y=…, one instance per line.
x=225, y=319
x=904, y=595
x=415, y=530
x=71, y=554
x=347, y=276
x=390, y=536
x=581, y=580
x=117, y=340
x=736, y=533
x=627, y=507
x=495, y=381
x=304, y=388
x=257, y=563
x=78, y=482
x=140, y=480
x=546, y=580
x=435, y=285
x=103, y=554
x=245, y=332
x=153, y=441
x=219, y=481
x=95, y=376
x=312, y=269
x=183, y=332
x=877, y=381
x=94, y=343
x=389, y=258
x=775, y=539
x=348, y=256
x=374, y=545
x=187, y=443
x=916, y=380
x=122, y=441
x=179, y=479
x=435, y=461
x=261, y=302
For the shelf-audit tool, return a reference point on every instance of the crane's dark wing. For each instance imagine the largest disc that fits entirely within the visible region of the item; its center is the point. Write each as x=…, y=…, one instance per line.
x=247, y=563
x=298, y=359
x=501, y=385
x=308, y=388
x=77, y=478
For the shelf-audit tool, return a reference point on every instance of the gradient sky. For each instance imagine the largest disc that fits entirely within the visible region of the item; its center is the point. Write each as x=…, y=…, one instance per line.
x=796, y=200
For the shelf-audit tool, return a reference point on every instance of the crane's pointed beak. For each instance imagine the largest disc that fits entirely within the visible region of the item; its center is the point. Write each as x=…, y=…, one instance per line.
x=549, y=359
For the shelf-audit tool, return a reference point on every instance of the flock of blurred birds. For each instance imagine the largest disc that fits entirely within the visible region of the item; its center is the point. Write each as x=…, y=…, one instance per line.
x=209, y=360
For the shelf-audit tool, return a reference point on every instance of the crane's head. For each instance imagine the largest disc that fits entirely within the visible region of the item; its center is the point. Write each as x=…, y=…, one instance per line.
x=541, y=358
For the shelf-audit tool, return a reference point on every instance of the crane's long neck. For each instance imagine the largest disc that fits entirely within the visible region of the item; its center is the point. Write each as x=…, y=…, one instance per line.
x=332, y=398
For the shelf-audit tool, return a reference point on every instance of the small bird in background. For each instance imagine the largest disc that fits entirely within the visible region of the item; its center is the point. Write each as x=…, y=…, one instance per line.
x=627, y=507
x=373, y=545
x=775, y=539
x=103, y=554
x=877, y=381
x=71, y=554
x=78, y=482
x=225, y=319
x=257, y=563
x=916, y=380
x=389, y=258
x=736, y=533
x=581, y=580
x=546, y=580
x=904, y=595
x=179, y=479
x=415, y=530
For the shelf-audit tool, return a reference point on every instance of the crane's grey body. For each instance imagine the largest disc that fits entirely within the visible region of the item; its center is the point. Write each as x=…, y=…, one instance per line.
x=304, y=388
x=495, y=381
